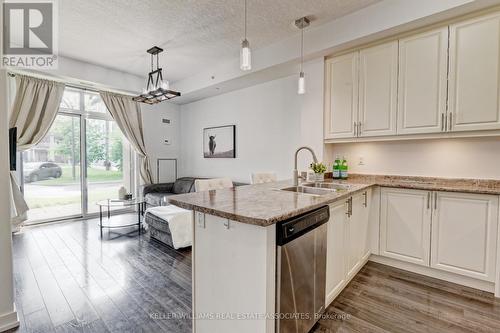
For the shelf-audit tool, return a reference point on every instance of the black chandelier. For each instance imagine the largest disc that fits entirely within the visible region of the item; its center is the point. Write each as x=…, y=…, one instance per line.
x=156, y=89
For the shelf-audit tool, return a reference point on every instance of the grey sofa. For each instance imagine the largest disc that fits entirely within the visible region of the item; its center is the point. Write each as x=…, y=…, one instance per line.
x=156, y=194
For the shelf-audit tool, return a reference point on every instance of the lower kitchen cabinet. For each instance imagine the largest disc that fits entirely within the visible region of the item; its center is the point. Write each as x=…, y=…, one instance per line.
x=405, y=223
x=336, y=266
x=357, y=233
x=449, y=231
x=464, y=234
x=348, y=242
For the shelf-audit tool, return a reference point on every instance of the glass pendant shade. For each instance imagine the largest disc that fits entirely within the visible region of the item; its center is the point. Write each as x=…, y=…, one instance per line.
x=165, y=85
x=301, y=84
x=245, y=56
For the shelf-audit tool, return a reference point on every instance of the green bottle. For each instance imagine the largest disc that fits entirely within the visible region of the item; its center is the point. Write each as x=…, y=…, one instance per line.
x=344, y=169
x=336, y=167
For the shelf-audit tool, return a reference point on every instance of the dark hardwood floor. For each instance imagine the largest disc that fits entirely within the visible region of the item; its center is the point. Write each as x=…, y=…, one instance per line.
x=68, y=280
x=385, y=299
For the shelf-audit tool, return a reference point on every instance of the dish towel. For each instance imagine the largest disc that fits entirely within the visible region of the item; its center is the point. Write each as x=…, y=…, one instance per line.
x=180, y=223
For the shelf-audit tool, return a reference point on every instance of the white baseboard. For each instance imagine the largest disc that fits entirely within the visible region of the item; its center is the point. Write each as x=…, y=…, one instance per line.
x=435, y=273
x=9, y=320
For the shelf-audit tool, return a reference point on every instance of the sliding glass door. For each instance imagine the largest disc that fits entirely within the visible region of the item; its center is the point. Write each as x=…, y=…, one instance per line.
x=84, y=158
x=52, y=172
x=108, y=162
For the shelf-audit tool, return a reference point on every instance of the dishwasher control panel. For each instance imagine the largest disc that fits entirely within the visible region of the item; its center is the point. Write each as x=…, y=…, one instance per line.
x=288, y=230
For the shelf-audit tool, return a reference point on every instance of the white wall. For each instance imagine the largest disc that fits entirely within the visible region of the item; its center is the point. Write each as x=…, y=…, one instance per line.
x=271, y=122
x=155, y=131
x=462, y=158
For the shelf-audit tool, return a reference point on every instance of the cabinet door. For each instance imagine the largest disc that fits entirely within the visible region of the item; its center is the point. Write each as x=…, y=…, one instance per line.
x=341, y=97
x=464, y=231
x=335, y=254
x=423, y=71
x=378, y=76
x=405, y=222
x=357, y=233
x=474, y=74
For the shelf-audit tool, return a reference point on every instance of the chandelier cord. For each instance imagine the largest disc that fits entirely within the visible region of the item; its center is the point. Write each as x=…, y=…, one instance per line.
x=301, y=48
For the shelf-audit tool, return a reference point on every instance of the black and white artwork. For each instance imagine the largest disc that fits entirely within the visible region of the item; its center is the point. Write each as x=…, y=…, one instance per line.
x=219, y=142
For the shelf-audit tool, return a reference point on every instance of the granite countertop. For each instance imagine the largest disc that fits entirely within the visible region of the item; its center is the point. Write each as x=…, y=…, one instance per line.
x=265, y=204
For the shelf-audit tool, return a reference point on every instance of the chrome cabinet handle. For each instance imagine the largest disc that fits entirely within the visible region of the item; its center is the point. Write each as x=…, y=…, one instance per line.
x=435, y=201
x=450, y=119
x=349, y=207
x=442, y=122
x=359, y=129
x=428, y=200
x=355, y=129
x=365, y=204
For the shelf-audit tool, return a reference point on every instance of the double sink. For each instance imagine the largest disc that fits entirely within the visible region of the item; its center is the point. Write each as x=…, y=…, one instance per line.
x=319, y=188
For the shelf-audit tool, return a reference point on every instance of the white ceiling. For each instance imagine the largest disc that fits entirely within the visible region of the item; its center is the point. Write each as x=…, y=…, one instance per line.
x=196, y=34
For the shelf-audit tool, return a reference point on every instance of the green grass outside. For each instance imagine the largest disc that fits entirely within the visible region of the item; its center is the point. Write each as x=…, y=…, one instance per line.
x=94, y=175
x=94, y=196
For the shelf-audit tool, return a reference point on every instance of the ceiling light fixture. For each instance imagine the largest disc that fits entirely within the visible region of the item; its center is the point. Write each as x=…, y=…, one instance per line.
x=245, y=53
x=302, y=23
x=156, y=89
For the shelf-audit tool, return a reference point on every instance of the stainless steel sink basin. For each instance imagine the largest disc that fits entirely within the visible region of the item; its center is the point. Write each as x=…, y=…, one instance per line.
x=307, y=190
x=329, y=186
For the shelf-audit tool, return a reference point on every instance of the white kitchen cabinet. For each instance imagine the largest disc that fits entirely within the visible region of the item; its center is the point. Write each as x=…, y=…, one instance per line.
x=405, y=222
x=378, y=77
x=336, y=274
x=357, y=233
x=474, y=75
x=422, y=82
x=341, y=99
x=347, y=242
x=464, y=234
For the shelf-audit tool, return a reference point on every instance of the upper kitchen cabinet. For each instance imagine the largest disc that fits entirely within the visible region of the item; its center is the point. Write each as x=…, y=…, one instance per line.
x=378, y=77
x=474, y=74
x=423, y=61
x=341, y=97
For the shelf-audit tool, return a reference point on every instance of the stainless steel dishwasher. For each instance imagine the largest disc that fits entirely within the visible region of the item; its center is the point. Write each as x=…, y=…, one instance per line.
x=301, y=271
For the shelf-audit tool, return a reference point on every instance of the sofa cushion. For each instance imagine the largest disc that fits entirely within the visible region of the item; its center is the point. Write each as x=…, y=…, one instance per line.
x=156, y=199
x=183, y=185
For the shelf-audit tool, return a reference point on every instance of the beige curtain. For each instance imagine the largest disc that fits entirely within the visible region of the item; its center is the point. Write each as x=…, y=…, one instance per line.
x=127, y=115
x=33, y=112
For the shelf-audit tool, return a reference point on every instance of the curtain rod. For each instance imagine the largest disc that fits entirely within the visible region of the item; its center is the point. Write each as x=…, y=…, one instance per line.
x=75, y=86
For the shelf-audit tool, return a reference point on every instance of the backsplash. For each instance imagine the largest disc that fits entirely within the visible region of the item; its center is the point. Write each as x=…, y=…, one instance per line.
x=456, y=158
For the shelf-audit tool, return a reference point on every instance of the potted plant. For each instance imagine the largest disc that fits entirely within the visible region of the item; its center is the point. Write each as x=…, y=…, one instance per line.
x=319, y=170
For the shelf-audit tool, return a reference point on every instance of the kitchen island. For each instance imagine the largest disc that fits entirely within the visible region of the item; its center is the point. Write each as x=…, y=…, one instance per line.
x=235, y=249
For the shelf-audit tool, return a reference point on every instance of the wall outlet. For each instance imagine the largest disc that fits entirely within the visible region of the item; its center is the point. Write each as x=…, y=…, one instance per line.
x=361, y=160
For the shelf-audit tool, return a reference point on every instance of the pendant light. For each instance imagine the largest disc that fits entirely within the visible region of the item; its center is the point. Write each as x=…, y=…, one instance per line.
x=245, y=53
x=157, y=89
x=302, y=23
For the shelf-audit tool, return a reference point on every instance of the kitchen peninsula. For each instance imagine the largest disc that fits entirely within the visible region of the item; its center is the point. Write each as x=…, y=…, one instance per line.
x=235, y=249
